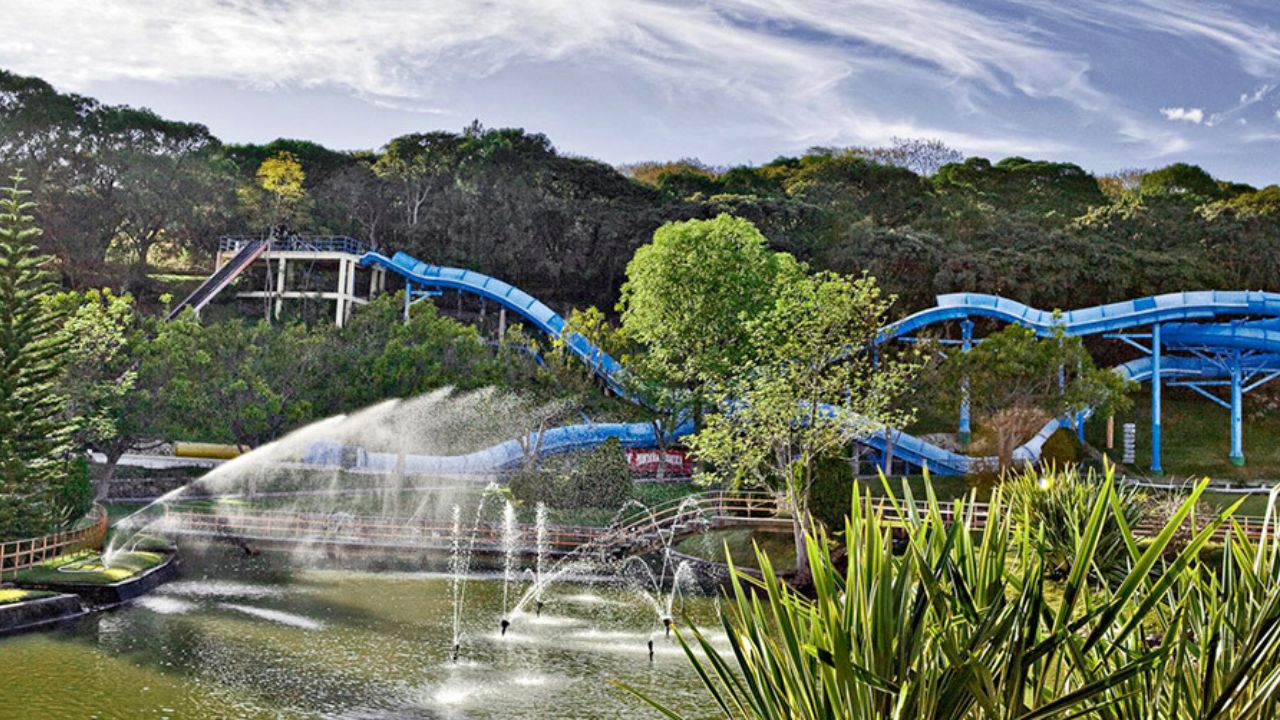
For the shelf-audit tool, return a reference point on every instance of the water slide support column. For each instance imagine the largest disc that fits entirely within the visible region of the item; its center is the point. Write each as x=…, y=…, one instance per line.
x=965, y=432
x=339, y=313
x=408, y=297
x=280, y=278
x=1237, y=417
x=1155, y=400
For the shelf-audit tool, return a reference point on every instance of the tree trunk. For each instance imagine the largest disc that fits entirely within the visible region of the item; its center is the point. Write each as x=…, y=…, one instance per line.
x=798, y=527
x=102, y=485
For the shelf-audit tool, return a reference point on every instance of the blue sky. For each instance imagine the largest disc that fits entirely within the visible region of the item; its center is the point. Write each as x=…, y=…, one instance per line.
x=1108, y=84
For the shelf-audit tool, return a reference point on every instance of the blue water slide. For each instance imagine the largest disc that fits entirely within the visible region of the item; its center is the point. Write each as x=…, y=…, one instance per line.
x=509, y=296
x=502, y=456
x=1172, y=310
x=1113, y=317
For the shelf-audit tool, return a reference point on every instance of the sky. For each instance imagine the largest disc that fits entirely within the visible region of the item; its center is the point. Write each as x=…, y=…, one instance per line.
x=1108, y=84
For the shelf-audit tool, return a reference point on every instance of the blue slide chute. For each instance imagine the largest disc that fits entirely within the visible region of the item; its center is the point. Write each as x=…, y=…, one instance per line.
x=1175, y=312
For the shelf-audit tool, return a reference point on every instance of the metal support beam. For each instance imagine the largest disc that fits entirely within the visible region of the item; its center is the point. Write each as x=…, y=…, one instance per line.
x=1155, y=400
x=1237, y=418
x=965, y=432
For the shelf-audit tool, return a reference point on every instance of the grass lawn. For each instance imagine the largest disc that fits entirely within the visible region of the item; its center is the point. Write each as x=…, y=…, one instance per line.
x=780, y=547
x=86, y=568
x=1195, y=439
x=9, y=596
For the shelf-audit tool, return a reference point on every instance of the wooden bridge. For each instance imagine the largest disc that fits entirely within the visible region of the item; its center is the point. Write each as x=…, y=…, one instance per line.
x=636, y=532
x=639, y=532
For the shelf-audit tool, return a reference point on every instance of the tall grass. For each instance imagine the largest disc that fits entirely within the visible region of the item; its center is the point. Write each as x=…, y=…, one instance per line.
x=958, y=619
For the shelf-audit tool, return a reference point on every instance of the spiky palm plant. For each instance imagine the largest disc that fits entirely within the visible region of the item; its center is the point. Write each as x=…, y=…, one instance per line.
x=960, y=621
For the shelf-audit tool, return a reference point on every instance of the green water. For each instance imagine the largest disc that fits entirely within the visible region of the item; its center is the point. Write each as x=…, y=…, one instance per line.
x=261, y=637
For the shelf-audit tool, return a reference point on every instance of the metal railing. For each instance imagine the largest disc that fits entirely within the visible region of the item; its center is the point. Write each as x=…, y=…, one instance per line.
x=16, y=555
x=295, y=243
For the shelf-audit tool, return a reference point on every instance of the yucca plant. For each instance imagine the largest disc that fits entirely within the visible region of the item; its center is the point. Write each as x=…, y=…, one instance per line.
x=961, y=622
x=1059, y=501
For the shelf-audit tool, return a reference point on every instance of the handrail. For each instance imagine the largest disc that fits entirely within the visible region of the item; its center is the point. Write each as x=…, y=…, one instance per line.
x=16, y=555
x=632, y=530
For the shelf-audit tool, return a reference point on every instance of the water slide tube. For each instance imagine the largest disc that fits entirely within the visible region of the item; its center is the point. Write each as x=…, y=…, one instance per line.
x=1172, y=310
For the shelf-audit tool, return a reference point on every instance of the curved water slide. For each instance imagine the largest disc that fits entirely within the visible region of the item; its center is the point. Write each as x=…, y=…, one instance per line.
x=1173, y=311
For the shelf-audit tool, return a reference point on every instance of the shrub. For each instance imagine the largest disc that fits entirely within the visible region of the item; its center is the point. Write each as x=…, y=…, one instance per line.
x=535, y=485
x=1061, y=449
x=599, y=478
x=1058, y=502
x=832, y=492
x=964, y=624
x=74, y=495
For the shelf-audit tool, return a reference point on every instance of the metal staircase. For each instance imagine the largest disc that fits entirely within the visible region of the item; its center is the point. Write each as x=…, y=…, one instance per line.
x=222, y=278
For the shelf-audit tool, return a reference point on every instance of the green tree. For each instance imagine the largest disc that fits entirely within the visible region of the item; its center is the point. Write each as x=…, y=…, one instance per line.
x=1180, y=179
x=815, y=384
x=1018, y=381
x=105, y=339
x=689, y=295
x=34, y=432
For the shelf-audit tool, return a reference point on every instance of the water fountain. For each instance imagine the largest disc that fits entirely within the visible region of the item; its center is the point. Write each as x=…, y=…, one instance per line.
x=496, y=571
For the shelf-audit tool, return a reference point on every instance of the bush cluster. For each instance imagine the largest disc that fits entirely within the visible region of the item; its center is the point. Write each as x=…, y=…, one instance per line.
x=599, y=478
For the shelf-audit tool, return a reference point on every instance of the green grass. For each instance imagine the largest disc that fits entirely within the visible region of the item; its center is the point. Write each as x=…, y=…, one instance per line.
x=1195, y=439
x=9, y=596
x=741, y=543
x=86, y=568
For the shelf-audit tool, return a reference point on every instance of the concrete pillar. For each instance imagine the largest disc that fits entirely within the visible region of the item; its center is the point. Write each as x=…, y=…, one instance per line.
x=965, y=432
x=502, y=323
x=280, y=285
x=1237, y=418
x=1155, y=400
x=351, y=290
x=339, y=315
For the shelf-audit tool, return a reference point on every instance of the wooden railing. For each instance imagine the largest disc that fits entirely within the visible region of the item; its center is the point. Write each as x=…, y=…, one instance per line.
x=652, y=526
x=18, y=555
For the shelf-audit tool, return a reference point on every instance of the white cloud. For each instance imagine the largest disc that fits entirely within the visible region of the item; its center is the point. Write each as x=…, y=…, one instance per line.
x=1254, y=45
x=1181, y=114
x=807, y=70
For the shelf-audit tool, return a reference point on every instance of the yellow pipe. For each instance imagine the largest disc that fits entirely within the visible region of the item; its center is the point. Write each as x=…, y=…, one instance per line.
x=213, y=451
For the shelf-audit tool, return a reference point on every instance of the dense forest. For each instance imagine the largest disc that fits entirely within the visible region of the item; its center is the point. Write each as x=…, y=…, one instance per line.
x=121, y=192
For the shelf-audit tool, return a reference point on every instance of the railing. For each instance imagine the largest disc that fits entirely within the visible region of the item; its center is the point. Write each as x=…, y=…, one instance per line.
x=295, y=243
x=352, y=529
x=649, y=527
x=17, y=555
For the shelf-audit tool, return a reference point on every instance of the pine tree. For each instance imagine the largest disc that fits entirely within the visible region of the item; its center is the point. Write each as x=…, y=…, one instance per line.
x=34, y=432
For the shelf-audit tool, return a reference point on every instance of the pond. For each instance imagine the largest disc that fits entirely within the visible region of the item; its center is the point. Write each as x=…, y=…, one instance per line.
x=259, y=637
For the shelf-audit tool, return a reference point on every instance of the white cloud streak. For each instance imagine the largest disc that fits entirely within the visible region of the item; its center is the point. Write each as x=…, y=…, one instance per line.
x=804, y=70
x=799, y=64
